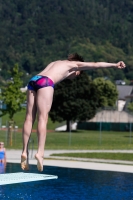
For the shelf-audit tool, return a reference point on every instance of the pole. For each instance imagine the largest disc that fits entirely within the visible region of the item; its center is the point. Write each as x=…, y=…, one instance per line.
x=70, y=134
x=130, y=132
x=100, y=136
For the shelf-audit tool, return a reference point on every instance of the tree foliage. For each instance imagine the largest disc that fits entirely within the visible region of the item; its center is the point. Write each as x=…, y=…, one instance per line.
x=11, y=94
x=74, y=100
x=107, y=92
x=79, y=99
x=36, y=32
x=130, y=107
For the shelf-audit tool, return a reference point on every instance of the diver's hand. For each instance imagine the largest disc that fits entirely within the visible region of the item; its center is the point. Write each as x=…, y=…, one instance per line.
x=120, y=65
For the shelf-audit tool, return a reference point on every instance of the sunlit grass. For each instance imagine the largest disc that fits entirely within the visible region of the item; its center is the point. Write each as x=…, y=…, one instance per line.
x=107, y=156
x=78, y=140
x=84, y=140
x=19, y=120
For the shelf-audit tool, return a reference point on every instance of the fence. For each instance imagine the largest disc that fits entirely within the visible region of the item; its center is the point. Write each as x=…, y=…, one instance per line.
x=108, y=120
x=109, y=129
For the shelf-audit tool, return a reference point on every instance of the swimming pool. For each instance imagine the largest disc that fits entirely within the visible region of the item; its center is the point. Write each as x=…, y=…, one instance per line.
x=72, y=184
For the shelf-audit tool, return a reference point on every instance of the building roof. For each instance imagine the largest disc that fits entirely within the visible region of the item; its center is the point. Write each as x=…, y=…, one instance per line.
x=124, y=90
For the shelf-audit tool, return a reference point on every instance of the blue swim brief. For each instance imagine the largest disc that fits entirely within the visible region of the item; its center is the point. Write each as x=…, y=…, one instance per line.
x=38, y=81
x=2, y=155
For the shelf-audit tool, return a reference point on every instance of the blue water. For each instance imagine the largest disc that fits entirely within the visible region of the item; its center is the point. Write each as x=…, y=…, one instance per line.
x=72, y=184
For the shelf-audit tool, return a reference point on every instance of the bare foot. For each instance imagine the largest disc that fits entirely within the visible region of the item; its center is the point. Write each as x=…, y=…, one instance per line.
x=24, y=162
x=39, y=162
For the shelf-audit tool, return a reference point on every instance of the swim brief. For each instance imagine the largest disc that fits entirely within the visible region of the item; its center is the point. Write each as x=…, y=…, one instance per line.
x=2, y=155
x=38, y=81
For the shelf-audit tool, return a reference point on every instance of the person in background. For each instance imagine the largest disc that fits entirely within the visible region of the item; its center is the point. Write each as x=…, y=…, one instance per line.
x=2, y=157
x=40, y=96
x=2, y=153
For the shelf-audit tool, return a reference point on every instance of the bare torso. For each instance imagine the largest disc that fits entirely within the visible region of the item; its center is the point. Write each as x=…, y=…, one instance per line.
x=59, y=70
x=62, y=69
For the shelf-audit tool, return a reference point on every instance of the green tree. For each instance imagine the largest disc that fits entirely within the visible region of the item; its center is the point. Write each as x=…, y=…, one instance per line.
x=107, y=92
x=74, y=100
x=12, y=97
x=119, y=75
x=130, y=107
x=98, y=35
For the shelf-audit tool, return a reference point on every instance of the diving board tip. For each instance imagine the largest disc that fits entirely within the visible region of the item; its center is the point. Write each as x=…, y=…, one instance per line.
x=21, y=177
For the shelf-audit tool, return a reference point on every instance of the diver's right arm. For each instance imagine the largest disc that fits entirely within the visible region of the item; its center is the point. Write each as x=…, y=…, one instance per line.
x=95, y=65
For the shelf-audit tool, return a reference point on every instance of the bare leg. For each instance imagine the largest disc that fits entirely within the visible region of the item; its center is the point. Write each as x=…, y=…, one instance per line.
x=29, y=120
x=44, y=102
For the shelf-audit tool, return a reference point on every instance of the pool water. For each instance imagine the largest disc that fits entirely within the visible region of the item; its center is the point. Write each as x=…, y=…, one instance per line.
x=72, y=184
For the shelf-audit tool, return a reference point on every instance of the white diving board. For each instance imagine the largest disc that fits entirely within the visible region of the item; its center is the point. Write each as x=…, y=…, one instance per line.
x=21, y=177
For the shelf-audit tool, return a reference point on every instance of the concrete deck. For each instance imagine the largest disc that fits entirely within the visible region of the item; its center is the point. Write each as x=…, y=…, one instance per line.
x=13, y=156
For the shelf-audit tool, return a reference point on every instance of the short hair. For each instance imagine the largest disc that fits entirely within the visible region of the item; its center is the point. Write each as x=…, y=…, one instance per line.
x=75, y=57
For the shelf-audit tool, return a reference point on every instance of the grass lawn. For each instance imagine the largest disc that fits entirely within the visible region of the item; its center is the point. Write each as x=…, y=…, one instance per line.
x=86, y=140
x=19, y=120
x=81, y=139
x=107, y=156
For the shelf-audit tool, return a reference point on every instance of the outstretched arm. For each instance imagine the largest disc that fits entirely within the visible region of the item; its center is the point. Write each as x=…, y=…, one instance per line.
x=95, y=65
